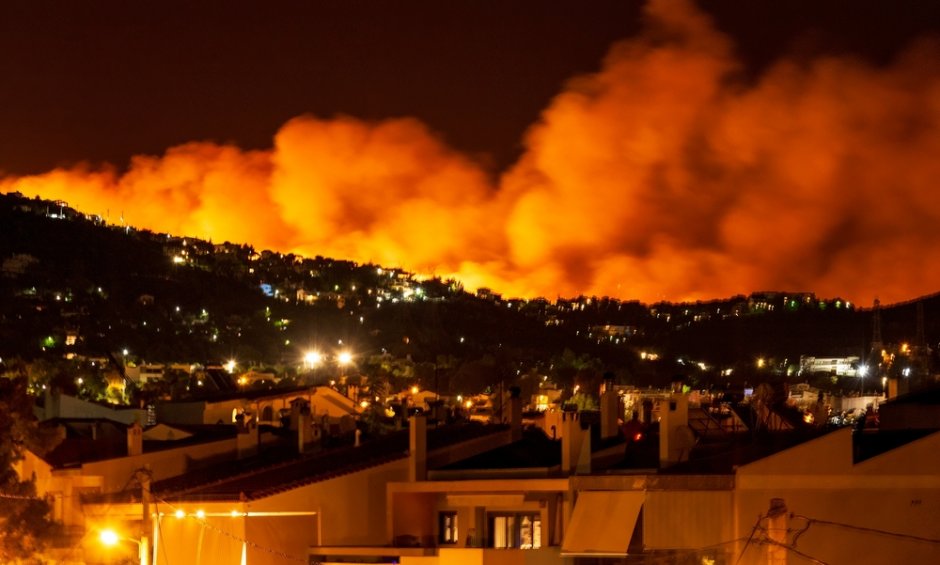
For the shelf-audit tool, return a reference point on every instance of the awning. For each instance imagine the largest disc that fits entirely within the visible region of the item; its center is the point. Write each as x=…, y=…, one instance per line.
x=602, y=523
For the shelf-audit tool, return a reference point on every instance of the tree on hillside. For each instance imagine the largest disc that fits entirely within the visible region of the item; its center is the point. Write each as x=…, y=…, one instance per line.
x=24, y=519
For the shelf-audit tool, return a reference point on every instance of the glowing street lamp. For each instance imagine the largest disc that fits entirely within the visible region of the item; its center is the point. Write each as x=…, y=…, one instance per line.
x=312, y=359
x=110, y=538
x=344, y=358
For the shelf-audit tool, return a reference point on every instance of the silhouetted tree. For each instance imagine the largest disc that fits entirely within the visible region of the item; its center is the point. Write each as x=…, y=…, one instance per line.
x=24, y=519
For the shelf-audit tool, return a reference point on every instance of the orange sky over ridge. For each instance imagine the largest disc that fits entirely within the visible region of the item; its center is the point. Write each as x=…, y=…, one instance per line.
x=665, y=175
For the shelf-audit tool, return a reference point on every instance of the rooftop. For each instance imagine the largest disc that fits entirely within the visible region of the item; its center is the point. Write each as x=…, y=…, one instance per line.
x=88, y=440
x=281, y=469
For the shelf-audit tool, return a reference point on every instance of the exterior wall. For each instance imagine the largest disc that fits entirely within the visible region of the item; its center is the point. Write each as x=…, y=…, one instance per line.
x=465, y=449
x=164, y=464
x=348, y=510
x=323, y=401
x=275, y=405
x=415, y=508
x=902, y=416
x=181, y=412
x=686, y=519
x=289, y=535
x=898, y=491
x=59, y=405
x=477, y=556
x=64, y=487
x=332, y=403
x=213, y=540
x=216, y=412
x=413, y=514
x=859, y=403
x=352, y=509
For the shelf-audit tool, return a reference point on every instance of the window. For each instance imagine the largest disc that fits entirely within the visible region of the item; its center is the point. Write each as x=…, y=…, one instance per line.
x=447, y=527
x=515, y=530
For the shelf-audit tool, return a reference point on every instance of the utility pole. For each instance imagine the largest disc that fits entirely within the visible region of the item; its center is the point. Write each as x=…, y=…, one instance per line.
x=144, y=476
x=778, y=523
x=873, y=365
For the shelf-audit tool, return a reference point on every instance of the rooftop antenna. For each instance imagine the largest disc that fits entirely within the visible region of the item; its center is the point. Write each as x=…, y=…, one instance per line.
x=875, y=366
x=920, y=352
x=920, y=341
x=876, y=343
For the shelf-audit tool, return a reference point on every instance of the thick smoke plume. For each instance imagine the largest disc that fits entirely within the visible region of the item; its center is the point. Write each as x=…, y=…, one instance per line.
x=666, y=175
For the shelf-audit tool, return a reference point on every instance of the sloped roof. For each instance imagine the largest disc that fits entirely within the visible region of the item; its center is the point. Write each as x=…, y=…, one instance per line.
x=276, y=471
x=927, y=396
x=79, y=447
x=534, y=450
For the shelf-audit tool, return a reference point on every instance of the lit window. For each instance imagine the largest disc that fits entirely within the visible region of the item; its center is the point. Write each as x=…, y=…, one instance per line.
x=521, y=531
x=448, y=527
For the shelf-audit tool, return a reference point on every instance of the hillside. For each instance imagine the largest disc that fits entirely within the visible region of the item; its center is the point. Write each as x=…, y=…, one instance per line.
x=72, y=286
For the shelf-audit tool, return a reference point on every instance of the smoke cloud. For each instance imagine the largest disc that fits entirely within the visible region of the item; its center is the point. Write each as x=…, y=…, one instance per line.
x=666, y=175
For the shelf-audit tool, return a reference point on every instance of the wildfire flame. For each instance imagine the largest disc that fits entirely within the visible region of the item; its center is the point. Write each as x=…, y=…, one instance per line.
x=663, y=176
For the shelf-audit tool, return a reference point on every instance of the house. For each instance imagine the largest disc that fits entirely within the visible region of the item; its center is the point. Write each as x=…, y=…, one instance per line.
x=57, y=404
x=846, y=497
x=270, y=511
x=839, y=497
x=492, y=494
x=267, y=406
x=917, y=410
x=85, y=456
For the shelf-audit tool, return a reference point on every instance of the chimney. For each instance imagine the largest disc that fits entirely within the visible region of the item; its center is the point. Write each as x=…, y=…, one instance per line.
x=646, y=414
x=417, y=448
x=303, y=429
x=610, y=412
x=135, y=440
x=675, y=436
x=246, y=441
x=575, y=445
x=297, y=407
x=515, y=414
x=52, y=401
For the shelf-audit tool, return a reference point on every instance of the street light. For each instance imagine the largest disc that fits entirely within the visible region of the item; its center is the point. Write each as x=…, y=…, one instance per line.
x=343, y=359
x=312, y=359
x=110, y=538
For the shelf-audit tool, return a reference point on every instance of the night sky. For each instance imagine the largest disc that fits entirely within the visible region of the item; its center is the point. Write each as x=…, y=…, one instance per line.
x=672, y=150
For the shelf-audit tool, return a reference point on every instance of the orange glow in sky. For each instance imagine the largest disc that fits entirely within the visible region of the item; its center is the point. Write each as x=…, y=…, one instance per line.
x=662, y=176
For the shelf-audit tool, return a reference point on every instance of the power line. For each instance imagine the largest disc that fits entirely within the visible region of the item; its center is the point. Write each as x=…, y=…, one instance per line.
x=900, y=535
x=790, y=548
x=249, y=543
x=21, y=497
x=669, y=557
x=203, y=522
x=750, y=538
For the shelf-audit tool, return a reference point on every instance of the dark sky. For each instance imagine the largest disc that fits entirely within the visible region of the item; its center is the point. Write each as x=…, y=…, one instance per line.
x=669, y=150
x=102, y=80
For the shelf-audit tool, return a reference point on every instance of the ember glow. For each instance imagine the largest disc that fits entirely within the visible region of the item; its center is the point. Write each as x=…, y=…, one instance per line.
x=663, y=176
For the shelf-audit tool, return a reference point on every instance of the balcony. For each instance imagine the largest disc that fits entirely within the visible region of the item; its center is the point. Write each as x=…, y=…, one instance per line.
x=445, y=555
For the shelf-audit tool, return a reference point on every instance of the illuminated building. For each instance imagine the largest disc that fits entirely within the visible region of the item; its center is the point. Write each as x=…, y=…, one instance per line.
x=497, y=494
